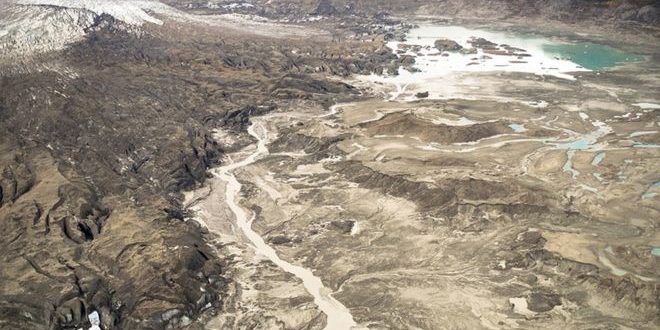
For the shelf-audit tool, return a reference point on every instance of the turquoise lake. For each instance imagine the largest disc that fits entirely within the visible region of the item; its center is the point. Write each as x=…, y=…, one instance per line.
x=656, y=251
x=590, y=55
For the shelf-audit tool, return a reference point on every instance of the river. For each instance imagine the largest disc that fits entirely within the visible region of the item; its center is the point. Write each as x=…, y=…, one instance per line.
x=338, y=316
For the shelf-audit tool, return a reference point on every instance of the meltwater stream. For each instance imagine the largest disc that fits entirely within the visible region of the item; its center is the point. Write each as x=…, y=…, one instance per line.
x=338, y=316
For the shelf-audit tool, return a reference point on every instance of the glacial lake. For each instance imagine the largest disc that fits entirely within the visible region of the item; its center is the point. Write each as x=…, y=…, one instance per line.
x=540, y=55
x=524, y=52
x=590, y=55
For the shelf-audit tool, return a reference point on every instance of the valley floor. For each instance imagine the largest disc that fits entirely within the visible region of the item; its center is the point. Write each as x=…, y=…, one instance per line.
x=527, y=201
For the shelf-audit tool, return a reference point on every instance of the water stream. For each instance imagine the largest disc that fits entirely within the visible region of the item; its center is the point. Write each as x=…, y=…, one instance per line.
x=338, y=316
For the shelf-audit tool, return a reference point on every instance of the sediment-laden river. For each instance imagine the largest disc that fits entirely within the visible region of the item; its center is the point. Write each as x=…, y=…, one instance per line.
x=338, y=316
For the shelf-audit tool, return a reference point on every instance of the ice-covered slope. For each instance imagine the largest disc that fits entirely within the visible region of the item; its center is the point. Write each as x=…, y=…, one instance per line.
x=130, y=12
x=29, y=27
x=26, y=30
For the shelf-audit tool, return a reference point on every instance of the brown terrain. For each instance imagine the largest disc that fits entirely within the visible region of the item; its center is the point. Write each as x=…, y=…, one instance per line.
x=112, y=129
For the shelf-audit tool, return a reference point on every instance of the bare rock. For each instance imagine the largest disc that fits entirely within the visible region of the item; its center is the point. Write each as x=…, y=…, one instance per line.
x=447, y=45
x=542, y=302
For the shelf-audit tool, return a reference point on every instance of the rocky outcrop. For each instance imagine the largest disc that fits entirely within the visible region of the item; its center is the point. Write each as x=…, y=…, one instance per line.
x=405, y=123
x=319, y=148
x=648, y=14
x=70, y=251
x=16, y=180
x=447, y=45
x=325, y=8
x=299, y=86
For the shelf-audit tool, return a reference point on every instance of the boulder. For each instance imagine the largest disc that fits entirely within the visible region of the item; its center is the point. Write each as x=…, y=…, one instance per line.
x=280, y=239
x=482, y=43
x=344, y=226
x=325, y=8
x=542, y=302
x=447, y=45
x=407, y=60
x=648, y=14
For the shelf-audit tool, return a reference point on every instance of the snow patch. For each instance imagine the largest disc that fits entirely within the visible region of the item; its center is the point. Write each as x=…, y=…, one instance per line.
x=130, y=12
x=652, y=106
x=95, y=320
x=519, y=305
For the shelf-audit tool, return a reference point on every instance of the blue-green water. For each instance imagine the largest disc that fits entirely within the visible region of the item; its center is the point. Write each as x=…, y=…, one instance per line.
x=518, y=128
x=649, y=194
x=656, y=251
x=645, y=145
x=580, y=144
x=590, y=55
x=598, y=158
